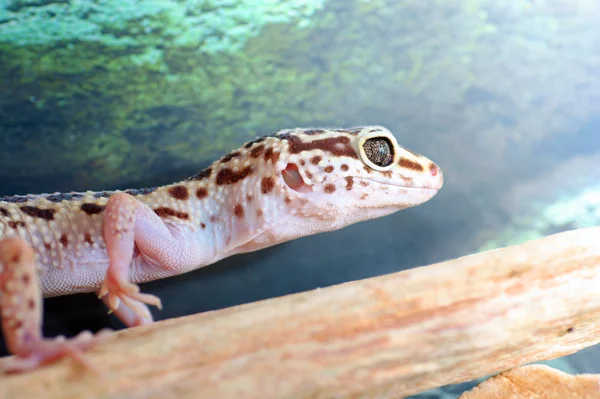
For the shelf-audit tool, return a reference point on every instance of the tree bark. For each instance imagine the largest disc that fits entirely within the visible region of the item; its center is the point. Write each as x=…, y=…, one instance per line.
x=383, y=337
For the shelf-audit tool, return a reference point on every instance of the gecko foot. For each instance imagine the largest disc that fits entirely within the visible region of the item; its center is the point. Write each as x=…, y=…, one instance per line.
x=46, y=350
x=114, y=291
x=21, y=313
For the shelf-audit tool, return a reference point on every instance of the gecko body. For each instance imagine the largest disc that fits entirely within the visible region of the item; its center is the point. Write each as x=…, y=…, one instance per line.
x=274, y=189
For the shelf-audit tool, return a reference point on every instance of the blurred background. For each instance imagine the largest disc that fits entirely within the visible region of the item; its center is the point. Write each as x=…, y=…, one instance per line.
x=503, y=94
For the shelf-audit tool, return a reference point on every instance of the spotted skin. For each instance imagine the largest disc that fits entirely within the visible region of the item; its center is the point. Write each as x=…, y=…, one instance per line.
x=276, y=188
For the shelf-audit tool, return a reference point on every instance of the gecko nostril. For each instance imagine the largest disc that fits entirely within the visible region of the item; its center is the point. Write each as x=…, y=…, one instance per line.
x=433, y=168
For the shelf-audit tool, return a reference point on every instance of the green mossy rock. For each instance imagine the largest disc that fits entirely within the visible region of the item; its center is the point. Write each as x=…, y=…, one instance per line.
x=102, y=93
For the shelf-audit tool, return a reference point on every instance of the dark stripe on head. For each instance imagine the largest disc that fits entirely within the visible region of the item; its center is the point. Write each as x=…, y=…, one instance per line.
x=408, y=164
x=338, y=146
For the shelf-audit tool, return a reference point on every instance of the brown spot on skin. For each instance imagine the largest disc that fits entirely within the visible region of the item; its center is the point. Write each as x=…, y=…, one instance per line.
x=4, y=212
x=364, y=183
x=213, y=219
x=367, y=169
x=179, y=192
x=407, y=180
x=87, y=237
x=257, y=151
x=16, y=257
x=287, y=200
x=329, y=169
x=47, y=246
x=308, y=174
x=201, y=193
x=26, y=279
x=202, y=175
x=408, y=164
x=271, y=155
x=344, y=168
x=259, y=213
x=349, y=183
x=203, y=225
x=238, y=211
x=31, y=304
x=387, y=174
x=267, y=184
x=338, y=146
x=46, y=214
x=227, y=176
x=164, y=212
x=302, y=162
x=249, y=198
x=329, y=188
x=364, y=196
x=64, y=240
x=570, y=330
x=15, y=224
x=316, y=159
x=92, y=209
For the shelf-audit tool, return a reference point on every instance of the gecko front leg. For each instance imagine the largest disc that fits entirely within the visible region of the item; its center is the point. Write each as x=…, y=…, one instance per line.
x=130, y=225
x=21, y=307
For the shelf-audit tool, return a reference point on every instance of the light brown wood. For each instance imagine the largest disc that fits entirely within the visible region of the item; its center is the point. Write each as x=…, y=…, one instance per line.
x=383, y=337
x=536, y=382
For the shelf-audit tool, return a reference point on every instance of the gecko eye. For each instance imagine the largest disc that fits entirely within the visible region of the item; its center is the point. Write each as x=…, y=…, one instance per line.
x=379, y=150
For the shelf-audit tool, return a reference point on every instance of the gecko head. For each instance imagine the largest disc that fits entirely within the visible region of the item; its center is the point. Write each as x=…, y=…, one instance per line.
x=349, y=175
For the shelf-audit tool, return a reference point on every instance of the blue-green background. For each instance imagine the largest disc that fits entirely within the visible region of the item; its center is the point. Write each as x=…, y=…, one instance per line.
x=503, y=95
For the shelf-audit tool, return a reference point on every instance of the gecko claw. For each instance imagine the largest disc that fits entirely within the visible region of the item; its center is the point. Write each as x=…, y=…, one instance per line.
x=115, y=292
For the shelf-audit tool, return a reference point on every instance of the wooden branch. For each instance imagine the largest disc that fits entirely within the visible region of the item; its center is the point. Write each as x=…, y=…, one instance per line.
x=383, y=337
x=536, y=381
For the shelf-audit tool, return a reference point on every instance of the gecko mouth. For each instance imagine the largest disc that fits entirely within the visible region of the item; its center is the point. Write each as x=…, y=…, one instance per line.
x=293, y=179
x=405, y=186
